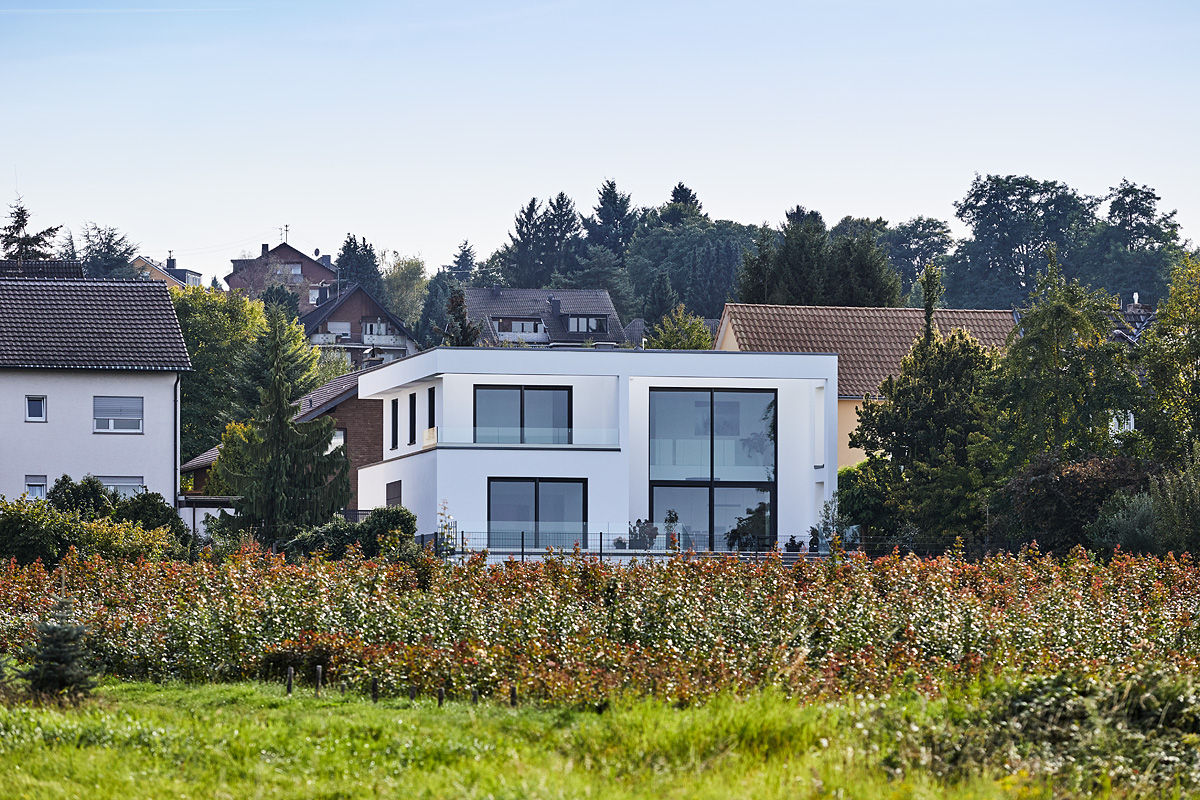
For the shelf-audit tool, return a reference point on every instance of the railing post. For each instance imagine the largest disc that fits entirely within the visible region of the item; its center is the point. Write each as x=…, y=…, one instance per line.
x=522, y=545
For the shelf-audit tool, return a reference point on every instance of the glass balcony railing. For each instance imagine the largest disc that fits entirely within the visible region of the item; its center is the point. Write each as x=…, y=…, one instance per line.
x=529, y=437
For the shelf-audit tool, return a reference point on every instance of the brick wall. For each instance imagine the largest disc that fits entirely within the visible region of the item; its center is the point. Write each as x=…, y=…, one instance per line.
x=363, y=421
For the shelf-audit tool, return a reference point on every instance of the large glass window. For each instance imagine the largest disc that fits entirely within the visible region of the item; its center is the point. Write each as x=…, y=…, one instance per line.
x=549, y=512
x=712, y=468
x=523, y=414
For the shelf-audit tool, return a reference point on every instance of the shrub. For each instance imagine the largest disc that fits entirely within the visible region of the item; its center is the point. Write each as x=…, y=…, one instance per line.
x=390, y=531
x=88, y=498
x=104, y=537
x=332, y=538
x=1053, y=502
x=1176, y=496
x=34, y=529
x=60, y=663
x=1126, y=521
x=150, y=510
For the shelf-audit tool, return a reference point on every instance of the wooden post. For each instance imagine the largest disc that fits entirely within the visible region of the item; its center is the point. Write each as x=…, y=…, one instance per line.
x=291, y=676
x=412, y=694
x=474, y=697
x=441, y=696
x=317, y=693
x=374, y=690
x=512, y=696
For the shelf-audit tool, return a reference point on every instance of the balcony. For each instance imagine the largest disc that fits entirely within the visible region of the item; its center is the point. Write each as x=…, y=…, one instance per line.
x=383, y=340
x=532, y=338
x=531, y=438
x=323, y=338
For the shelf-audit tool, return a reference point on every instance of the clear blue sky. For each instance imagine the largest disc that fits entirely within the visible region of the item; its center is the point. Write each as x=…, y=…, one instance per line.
x=204, y=126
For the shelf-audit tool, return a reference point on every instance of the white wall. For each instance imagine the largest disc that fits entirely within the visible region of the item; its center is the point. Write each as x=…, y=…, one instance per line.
x=65, y=443
x=610, y=392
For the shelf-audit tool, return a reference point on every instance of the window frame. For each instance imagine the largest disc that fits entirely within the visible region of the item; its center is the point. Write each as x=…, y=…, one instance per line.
x=45, y=408
x=412, y=418
x=115, y=487
x=44, y=483
x=112, y=429
x=395, y=423
x=522, y=388
x=713, y=483
x=574, y=319
x=537, y=501
x=431, y=407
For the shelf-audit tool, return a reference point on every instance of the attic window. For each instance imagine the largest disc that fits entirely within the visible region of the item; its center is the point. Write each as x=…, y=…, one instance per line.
x=587, y=324
x=527, y=325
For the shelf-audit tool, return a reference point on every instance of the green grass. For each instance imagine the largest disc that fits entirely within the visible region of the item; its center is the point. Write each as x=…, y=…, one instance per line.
x=251, y=741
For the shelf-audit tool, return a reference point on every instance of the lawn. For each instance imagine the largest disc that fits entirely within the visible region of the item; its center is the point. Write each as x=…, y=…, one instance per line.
x=250, y=740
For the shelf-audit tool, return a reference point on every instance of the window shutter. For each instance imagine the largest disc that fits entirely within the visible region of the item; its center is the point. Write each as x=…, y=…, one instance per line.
x=117, y=407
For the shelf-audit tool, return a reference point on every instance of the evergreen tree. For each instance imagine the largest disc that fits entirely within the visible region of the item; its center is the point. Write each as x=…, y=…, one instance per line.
x=462, y=269
x=613, y=222
x=60, y=665
x=22, y=244
x=860, y=275
x=107, y=252
x=433, y=314
x=756, y=276
x=488, y=273
x=562, y=238
x=600, y=269
x=521, y=260
x=279, y=295
x=459, y=330
x=66, y=250
x=683, y=207
x=679, y=330
x=215, y=284
x=280, y=347
x=1170, y=360
x=357, y=262
x=661, y=298
x=682, y=195
x=801, y=261
x=283, y=471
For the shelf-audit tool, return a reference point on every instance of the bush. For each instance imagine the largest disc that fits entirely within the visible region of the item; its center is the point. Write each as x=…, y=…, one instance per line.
x=150, y=511
x=390, y=531
x=32, y=530
x=333, y=538
x=1054, y=503
x=88, y=498
x=1126, y=521
x=60, y=664
x=1176, y=496
x=104, y=537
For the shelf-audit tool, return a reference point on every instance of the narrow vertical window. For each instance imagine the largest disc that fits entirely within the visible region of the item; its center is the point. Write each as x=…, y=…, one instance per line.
x=432, y=413
x=395, y=422
x=394, y=495
x=412, y=418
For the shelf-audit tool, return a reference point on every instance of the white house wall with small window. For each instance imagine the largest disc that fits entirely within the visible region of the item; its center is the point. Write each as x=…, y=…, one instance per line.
x=540, y=448
x=89, y=384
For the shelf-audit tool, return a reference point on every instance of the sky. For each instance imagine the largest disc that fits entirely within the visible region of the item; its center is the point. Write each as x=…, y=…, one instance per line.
x=204, y=127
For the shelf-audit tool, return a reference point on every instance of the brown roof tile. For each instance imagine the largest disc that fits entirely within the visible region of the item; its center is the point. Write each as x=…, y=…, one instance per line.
x=870, y=342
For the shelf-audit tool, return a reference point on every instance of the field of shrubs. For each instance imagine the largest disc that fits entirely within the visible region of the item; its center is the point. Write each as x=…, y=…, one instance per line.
x=571, y=630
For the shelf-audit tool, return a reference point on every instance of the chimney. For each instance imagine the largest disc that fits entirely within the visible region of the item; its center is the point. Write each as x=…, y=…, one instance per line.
x=266, y=249
x=170, y=263
x=326, y=259
x=555, y=306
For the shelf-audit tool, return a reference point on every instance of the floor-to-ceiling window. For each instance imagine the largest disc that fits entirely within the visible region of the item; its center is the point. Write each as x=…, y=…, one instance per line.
x=537, y=512
x=712, y=468
x=523, y=414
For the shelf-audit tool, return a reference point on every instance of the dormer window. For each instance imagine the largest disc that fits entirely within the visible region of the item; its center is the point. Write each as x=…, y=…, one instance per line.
x=519, y=325
x=587, y=324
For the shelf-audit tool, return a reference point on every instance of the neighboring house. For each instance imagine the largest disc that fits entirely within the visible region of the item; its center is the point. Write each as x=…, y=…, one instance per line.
x=170, y=273
x=287, y=266
x=354, y=321
x=555, y=447
x=638, y=330
x=870, y=343
x=11, y=268
x=358, y=425
x=544, y=317
x=89, y=384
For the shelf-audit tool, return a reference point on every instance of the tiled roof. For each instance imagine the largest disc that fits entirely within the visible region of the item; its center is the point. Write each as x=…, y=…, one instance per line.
x=313, y=319
x=311, y=405
x=486, y=303
x=89, y=324
x=870, y=342
x=41, y=269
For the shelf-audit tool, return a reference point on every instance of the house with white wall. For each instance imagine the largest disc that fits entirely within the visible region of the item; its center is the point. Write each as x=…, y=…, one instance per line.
x=89, y=384
x=534, y=448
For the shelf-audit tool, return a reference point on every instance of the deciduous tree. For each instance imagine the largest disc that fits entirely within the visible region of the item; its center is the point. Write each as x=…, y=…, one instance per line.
x=680, y=330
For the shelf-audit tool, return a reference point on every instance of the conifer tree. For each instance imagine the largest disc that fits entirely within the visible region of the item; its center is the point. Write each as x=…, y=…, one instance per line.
x=459, y=330
x=860, y=275
x=757, y=272
x=22, y=244
x=253, y=368
x=600, y=269
x=661, y=298
x=357, y=262
x=463, y=267
x=283, y=471
x=60, y=663
x=799, y=274
x=613, y=222
x=433, y=313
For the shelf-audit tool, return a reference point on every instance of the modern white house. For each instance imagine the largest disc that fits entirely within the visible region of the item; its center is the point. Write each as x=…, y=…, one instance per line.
x=89, y=384
x=534, y=448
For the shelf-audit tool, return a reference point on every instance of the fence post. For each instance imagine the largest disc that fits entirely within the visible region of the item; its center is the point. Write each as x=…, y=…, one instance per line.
x=474, y=697
x=291, y=675
x=600, y=534
x=522, y=545
x=512, y=696
x=441, y=696
x=317, y=693
x=374, y=690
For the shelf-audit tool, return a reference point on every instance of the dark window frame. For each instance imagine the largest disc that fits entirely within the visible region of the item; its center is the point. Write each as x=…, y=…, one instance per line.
x=395, y=423
x=713, y=482
x=431, y=410
x=537, y=498
x=387, y=493
x=522, y=388
x=412, y=418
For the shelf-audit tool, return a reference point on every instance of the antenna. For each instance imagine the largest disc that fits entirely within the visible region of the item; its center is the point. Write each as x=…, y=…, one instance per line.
x=283, y=233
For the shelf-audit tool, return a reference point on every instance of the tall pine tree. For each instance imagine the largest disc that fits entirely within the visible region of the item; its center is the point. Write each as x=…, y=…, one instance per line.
x=433, y=314
x=462, y=268
x=357, y=262
x=22, y=244
x=285, y=475
x=459, y=330
x=613, y=221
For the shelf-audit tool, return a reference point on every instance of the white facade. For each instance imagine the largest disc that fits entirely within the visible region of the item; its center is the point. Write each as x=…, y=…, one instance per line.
x=67, y=442
x=615, y=398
